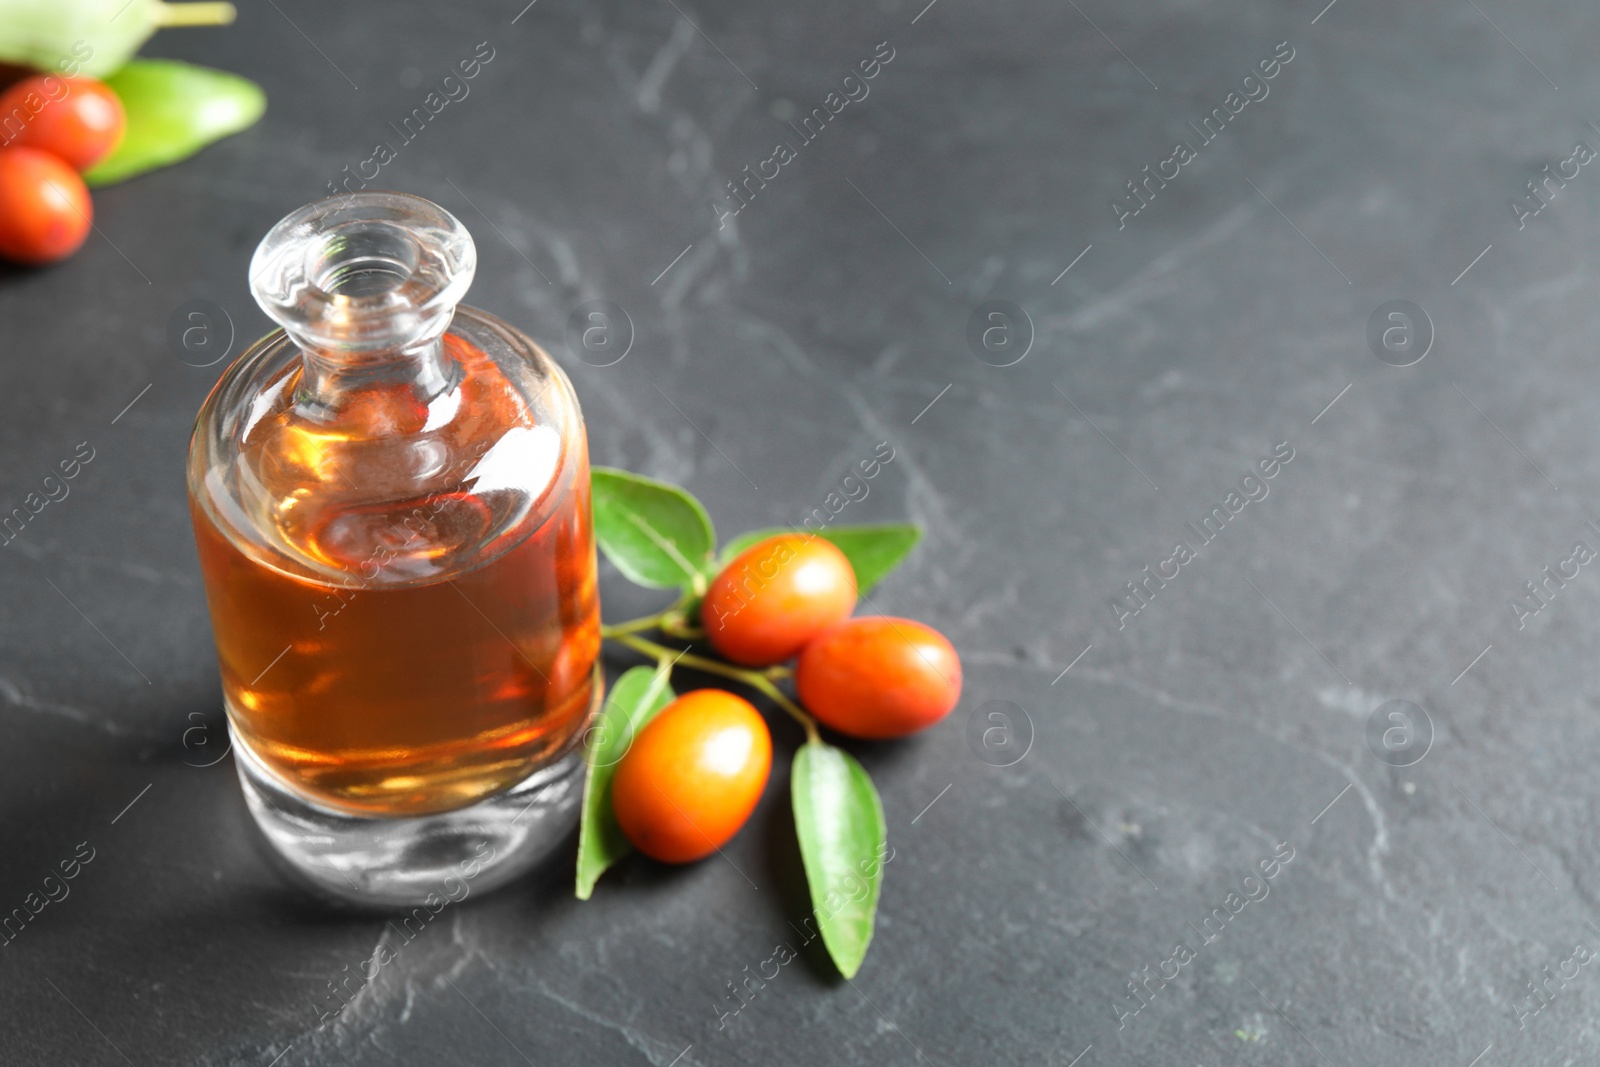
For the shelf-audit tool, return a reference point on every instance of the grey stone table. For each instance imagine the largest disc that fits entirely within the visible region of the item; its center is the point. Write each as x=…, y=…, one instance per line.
x=1200, y=833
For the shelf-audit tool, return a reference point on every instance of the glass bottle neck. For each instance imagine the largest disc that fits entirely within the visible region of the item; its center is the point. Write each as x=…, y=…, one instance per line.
x=330, y=378
x=365, y=286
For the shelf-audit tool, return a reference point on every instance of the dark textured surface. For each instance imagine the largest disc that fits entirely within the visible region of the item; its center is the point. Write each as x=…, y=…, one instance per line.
x=1220, y=721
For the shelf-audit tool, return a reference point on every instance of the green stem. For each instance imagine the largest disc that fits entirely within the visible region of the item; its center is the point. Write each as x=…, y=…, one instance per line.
x=776, y=695
x=207, y=14
x=663, y=667
x=756, y=680
x=676, y=625
x=632, y=626
x=667, y=620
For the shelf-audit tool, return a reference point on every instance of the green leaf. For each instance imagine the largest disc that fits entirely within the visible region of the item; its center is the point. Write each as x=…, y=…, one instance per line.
x=633, y=701
x=87, y=37
x=843, y=843
x=657, y=534
x=174, y=110
x=873, y=550
x=92, y=37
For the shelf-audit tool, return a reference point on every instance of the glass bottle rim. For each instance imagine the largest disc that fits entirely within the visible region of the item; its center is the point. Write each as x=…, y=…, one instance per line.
x=363, y=272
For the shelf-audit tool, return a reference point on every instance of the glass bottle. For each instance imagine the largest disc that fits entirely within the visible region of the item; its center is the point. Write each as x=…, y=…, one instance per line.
x=390, y=497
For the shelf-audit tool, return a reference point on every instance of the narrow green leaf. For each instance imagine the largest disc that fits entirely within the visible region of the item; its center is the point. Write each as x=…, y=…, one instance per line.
x=632, y=702
x=657, y=534
x=873, y=550
x=844, y=845
x=174, y=109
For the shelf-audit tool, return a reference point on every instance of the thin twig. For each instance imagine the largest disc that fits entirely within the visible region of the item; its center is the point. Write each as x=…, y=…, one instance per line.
x=632, y=626
x=754, y=679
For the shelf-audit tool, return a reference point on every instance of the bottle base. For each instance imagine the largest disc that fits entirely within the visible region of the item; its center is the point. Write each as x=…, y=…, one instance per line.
x=385, y=862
